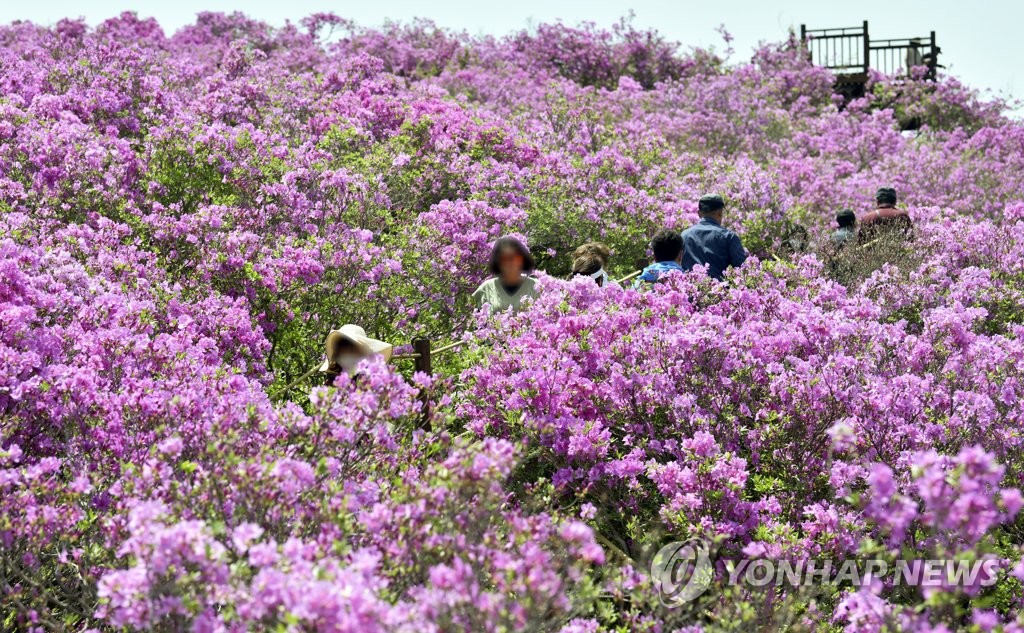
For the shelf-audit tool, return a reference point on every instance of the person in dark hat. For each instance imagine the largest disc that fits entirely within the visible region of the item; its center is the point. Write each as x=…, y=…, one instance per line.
x=885, y=197
x=847, y=231
x=708, y=242
x=886, y=220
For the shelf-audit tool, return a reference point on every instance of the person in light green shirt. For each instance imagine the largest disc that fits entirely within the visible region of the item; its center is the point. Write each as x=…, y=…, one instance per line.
x=510, y=264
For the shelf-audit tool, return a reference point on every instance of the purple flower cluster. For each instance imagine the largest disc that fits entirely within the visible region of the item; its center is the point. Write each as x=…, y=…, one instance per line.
x=184, y=217
x=781, y=416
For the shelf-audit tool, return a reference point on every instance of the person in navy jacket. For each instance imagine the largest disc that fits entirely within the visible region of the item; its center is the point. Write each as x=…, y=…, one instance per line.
x=708, y=242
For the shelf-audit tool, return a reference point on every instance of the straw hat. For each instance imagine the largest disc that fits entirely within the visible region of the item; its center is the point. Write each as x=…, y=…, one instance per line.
x=357, y=335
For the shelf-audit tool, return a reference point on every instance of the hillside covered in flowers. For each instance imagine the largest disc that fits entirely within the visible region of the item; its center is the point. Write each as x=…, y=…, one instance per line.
x=184, y=216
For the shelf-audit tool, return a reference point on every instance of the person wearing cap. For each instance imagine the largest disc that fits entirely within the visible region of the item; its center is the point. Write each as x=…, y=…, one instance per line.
x=591, y=259
x=885, y=219
x=668, y=253
x=847, y=231
x=931, y=60
x=511, y=263
x=708, y=242
x=348, y=345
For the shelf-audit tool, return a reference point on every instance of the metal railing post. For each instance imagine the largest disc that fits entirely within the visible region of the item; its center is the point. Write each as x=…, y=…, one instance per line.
x=933, y=62
x=867, y=48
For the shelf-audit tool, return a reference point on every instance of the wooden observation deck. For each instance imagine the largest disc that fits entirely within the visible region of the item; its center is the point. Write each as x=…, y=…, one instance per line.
x=851, y=53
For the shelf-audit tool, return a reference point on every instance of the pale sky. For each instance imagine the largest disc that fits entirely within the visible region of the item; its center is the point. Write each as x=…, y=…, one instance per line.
x=982, y=40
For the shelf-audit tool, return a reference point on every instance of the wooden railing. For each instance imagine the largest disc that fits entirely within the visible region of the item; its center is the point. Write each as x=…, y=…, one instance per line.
x=851, y=52
x=422, y=355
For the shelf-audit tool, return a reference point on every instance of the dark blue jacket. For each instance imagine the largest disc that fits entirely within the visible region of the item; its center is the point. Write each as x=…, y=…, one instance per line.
x=708, y=242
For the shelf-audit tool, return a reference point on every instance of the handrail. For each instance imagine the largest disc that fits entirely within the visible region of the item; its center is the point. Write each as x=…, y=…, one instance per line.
x=457, y=344
x=449, y=347
x=416, y=355
x=314, y=369
x=909, y=40
x=842, y=31
x=629, y=276
x=295, y=382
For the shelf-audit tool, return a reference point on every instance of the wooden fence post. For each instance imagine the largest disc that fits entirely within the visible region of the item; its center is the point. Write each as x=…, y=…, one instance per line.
x=421, y=346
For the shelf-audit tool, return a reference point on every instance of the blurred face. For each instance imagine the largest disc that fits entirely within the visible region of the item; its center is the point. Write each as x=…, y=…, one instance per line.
x=345, y=355
x=599, y=280
x=510, y=262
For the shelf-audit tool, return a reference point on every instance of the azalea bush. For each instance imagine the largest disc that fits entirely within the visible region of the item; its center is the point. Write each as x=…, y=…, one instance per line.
x=185, y=216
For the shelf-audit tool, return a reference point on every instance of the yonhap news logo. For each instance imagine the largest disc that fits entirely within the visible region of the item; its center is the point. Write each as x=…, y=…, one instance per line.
x=681, y=571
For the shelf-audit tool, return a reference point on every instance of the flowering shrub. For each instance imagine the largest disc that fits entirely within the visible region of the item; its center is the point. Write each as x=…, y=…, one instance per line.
x=184, y=217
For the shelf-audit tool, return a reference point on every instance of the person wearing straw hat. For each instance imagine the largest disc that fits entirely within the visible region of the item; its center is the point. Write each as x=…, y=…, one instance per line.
x=511, y=264
x=348, y=345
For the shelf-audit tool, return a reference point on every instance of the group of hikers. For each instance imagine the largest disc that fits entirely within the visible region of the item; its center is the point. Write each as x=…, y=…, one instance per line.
x=884, y=219
x=706, y=243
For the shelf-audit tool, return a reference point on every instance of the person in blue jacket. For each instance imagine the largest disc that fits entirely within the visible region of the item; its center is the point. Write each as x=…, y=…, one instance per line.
x=708, y=242
x=668, y=252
